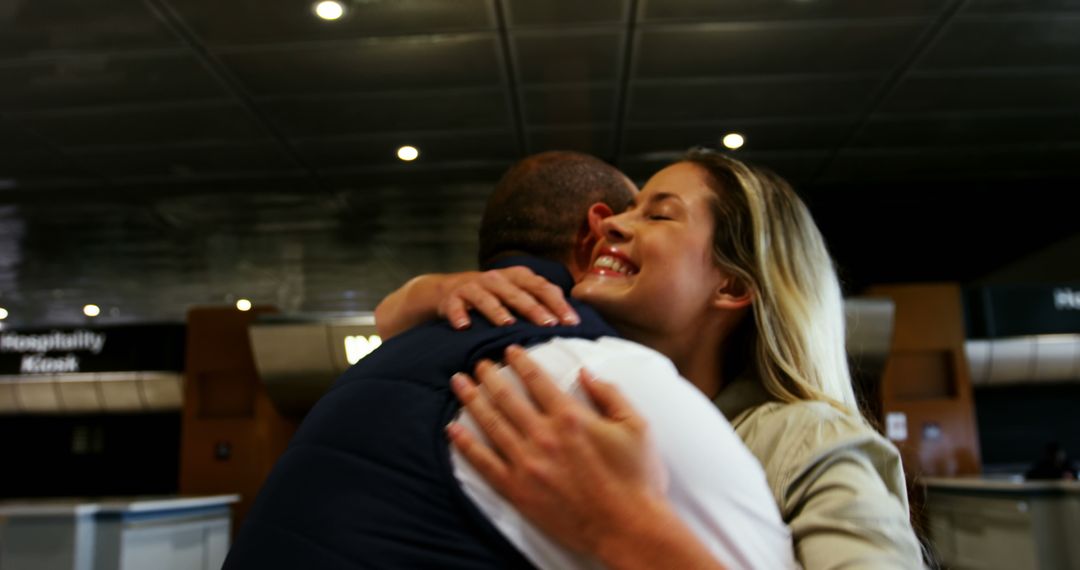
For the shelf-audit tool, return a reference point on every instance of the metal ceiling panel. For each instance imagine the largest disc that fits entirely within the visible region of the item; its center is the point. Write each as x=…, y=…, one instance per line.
x=559, y=13
x=720, y=99
x=24, y=159
x=568, y=105
x=760, y=136
x=13, y=138
x=919, y=163
x=388, y=112
x=214, y=122
x=1011, y=41
x=409, y=177
x=246, y=159
x=926, y=92
x=758, y=48
x=32, y=28
x=346, y=153
x=370, y=65
x=254, y=22
x=23, y=167
x=546, y=58
x=1013, y=6
x=796, y=167
x=104, y=80
x=193, y=127
x=973, y=129
x=590, y=140
x=744, y=10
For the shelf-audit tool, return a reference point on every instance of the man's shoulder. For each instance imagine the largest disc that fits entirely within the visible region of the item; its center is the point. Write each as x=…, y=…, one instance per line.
x=603, y=349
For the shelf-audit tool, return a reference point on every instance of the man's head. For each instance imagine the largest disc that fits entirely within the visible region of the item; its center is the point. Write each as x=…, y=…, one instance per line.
x=540, y=206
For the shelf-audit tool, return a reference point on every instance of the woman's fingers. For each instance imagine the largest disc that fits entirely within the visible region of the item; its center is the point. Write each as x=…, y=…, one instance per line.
x=511, y=404
x=487, y=462
x=608, y=400
x=519, y=288
x=500, y=293
x=551, y=297
x=543, y=391
x=501, y=434
x=457, y=312
x=487, y=302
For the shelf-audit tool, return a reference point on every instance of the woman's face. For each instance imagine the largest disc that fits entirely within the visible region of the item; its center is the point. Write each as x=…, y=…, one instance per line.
x=653, y=267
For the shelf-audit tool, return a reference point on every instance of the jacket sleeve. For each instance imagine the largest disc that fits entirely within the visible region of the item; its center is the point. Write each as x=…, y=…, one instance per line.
x=846, y=503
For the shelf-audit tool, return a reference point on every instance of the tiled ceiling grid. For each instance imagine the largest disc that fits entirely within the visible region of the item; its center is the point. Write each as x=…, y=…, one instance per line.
x=197, y=149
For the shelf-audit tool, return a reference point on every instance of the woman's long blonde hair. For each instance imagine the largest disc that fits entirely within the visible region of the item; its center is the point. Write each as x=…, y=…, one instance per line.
x=767, y=239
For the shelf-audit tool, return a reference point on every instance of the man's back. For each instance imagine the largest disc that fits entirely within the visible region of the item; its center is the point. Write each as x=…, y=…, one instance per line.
x=366, y=481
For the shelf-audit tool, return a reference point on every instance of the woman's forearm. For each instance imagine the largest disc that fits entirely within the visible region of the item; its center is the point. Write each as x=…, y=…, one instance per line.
x=415, y=302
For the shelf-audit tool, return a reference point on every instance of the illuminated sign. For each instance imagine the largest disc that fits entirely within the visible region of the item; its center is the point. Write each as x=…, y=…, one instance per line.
x=1066, y=299
x=37, y=345
x=357, y=347
x=101, y=349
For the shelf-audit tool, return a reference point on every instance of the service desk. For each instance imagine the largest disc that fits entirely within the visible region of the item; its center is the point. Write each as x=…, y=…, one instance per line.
x=1005, y=523
x=166, y=533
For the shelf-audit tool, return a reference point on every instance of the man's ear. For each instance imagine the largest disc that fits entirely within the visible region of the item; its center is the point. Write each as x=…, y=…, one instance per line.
x=589, y=233
x=597, y=213
x=732, y=294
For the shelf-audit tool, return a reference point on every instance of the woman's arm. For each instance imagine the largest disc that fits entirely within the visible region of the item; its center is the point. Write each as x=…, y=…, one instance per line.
x=850, y=508
x=494, y=294
x=589, y=480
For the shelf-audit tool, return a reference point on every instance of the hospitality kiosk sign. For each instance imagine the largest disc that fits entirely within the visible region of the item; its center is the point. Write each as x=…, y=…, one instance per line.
x=114, y=349
x=53, y=352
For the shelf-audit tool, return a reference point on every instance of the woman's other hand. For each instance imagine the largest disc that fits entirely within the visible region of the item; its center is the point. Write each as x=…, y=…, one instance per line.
x=569, y=469
x=498, y=293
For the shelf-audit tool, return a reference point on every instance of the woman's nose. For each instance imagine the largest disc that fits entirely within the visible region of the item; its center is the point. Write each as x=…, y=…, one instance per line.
x=614, y=230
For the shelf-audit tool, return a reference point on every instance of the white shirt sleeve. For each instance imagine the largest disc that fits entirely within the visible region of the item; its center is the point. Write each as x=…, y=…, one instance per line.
x=715, y=485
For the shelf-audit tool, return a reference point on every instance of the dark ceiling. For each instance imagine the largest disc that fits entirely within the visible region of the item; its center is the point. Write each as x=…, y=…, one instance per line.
x=164, y=153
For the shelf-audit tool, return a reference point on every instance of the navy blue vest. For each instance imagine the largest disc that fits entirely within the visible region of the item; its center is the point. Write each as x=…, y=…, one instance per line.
x=366, y=481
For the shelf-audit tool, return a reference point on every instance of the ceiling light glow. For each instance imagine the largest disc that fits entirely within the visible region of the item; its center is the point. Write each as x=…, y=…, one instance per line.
x=91, y=310
x=243, y=304
x=329, y=10
x=408, y=153
x=734, y=140
x=3, y=313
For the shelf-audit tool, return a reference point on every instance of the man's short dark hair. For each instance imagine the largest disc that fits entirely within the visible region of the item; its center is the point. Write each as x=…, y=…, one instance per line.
x=542, y=201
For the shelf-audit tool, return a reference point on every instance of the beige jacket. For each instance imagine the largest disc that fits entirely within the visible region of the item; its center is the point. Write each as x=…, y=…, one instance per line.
x=839, y=484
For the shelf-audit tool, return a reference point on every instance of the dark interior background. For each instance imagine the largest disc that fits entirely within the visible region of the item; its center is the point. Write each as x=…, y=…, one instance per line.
x=161, y=153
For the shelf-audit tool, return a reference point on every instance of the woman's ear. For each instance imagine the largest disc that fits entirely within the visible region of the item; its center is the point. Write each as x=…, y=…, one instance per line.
x=732, y=294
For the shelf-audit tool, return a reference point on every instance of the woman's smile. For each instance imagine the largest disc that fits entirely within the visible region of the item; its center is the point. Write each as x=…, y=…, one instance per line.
x=611, y=262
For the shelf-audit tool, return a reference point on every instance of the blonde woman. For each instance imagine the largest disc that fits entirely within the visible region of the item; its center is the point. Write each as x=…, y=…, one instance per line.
x=709, y=239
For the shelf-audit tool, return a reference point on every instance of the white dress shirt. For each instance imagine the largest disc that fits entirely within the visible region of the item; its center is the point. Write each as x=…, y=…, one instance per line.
x=715, y=485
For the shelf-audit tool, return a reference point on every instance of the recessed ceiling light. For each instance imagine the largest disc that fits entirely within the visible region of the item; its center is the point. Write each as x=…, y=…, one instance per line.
x=3, y=313
x=243, y=304
x=408, y=153
x=91, y=310
x=329, y=10
x=734, y=140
